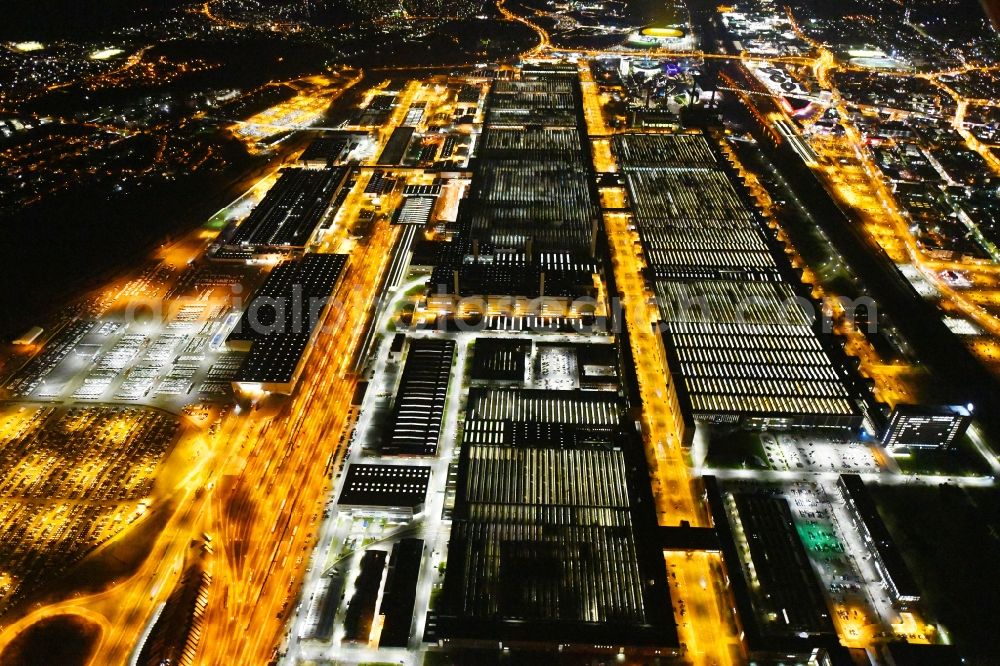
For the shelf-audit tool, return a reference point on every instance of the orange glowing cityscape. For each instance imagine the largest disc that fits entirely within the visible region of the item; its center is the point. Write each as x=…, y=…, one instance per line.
x=519, y=332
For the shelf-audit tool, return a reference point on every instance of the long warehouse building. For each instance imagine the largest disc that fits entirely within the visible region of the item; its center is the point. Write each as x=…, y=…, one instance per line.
x=281, y=321
x=415, y=425
x=286, y=218
x=734, y=316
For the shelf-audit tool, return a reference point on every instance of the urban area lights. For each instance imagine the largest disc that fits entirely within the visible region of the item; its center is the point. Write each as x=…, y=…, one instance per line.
x=639, y=338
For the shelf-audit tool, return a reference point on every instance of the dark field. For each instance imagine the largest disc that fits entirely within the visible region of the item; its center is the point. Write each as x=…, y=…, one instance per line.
x=75, y=19
x=949, y=538
x=66, y=640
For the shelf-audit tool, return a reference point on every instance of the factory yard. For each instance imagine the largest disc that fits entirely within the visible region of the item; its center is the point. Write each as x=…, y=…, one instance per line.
x=789, y=452
x=451, y=451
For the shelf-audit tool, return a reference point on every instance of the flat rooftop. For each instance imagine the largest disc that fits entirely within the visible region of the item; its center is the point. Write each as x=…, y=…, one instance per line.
x=597, y=408
x=790, y=599
x=291, y=287
x=553, y=538
x=332, y=147
x=273, y=359
x=500, y=142
x=658, y=150
x=500, y=359
x=388, y=486
x=887, y=551
x=415, y=425
x=395, y=147
x=735, y=329
x=279, y=320
x=416, y=210
x=778, y=599
x=530, y=209
x=291, y=210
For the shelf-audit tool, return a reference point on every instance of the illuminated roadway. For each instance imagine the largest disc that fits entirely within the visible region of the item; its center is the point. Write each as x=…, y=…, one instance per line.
x=287, y=453
x=543, y=37
x=257, y=489
x=700, y=628
x=253, y=585
x=259, y=485
x=694, y=579
x=822, y=67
